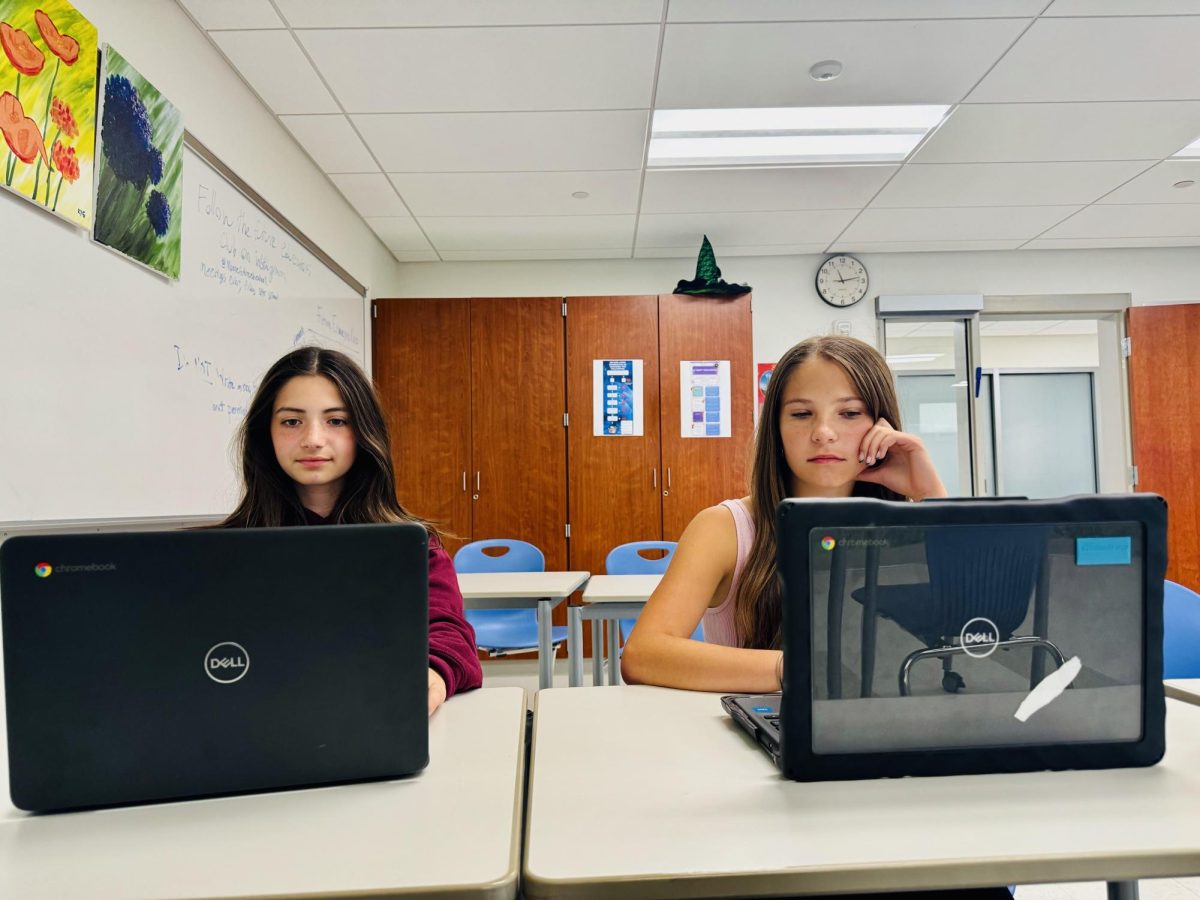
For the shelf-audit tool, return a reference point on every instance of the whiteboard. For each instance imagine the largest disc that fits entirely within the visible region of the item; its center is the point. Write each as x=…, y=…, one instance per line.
x=120, y=390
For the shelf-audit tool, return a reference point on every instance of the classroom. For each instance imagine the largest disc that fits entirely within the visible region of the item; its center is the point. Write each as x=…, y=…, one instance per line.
x=570, y=242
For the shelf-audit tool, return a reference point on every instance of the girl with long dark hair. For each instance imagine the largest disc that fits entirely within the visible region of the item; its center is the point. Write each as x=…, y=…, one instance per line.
x=314, y=450
x=830, y=427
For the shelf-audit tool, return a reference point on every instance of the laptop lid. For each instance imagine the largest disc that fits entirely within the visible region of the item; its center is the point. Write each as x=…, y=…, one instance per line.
x=142, y=667
x=950, y=637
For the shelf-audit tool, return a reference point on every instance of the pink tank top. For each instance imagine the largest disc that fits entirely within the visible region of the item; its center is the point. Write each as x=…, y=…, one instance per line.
x=718, y=621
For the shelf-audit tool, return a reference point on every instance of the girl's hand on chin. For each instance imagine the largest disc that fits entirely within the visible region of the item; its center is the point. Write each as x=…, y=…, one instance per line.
x=904, y=464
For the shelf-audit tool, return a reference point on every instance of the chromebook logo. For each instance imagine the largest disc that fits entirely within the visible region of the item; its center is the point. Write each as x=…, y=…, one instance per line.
x=828, y=543
x=43, y=570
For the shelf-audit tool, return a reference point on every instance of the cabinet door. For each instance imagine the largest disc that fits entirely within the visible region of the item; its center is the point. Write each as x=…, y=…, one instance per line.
x=703, y=471
x=421, y=353
x=616, y=481
x=519, y=476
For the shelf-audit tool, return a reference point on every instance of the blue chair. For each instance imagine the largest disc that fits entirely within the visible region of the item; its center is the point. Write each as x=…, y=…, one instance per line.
x=627, y=559
x=1181, y=631
x=504, y=632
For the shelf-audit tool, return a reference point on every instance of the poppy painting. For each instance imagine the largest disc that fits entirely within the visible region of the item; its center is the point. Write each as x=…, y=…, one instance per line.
x=139, y=168
x=48, y=105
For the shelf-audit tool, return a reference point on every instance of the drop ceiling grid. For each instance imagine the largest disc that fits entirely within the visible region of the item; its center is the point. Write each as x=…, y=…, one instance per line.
x=1030, y=151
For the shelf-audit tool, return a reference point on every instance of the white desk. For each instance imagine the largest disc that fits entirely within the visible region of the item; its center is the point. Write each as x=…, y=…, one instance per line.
x=606, y=598
x=1185, y=689
x=700, y=811
x=538, y=590
x=451, y=831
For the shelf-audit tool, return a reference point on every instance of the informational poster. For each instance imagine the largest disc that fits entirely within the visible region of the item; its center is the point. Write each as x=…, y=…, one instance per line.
x=764, y=378
x=617, y=398
x=704, y=410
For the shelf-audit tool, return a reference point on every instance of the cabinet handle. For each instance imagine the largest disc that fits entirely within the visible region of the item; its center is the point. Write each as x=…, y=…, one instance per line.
x=477, y=481
x=464, y=480
x=654, y=477
x=668, y=477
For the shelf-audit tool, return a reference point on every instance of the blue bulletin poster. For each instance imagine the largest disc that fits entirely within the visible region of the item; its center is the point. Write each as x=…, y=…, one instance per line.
x=704, y=402
x=617, y=398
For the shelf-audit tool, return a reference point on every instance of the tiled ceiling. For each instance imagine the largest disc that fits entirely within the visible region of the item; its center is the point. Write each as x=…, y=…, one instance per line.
x=518, y=129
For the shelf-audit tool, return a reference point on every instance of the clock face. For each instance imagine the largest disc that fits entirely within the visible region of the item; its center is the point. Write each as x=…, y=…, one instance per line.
x=842, y=281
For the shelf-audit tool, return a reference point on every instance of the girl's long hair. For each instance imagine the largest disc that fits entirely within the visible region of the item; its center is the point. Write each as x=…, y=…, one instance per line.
x=758, y=605
x=269, y=496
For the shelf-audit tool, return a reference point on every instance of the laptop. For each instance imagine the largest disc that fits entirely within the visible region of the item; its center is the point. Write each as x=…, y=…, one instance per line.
x=966, y=636
x=168, y=665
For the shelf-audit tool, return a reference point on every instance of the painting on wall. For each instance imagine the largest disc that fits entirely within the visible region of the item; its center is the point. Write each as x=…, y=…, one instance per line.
x=48, y=105
x=139, y=168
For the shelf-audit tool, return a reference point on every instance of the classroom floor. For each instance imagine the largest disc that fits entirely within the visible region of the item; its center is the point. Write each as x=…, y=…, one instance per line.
x=524, y=673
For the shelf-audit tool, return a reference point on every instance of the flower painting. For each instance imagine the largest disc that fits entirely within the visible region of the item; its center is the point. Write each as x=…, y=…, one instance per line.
x=48, y=105
x=139, y=168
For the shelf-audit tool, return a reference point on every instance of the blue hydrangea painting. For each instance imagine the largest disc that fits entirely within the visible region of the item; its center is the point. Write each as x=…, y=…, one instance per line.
x=139, y=164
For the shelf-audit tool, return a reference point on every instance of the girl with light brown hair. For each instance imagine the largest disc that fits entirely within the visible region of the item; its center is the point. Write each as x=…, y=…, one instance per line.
x=830, y=427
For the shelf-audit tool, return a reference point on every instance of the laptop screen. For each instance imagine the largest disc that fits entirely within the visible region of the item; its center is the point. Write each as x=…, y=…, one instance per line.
x=975, y=635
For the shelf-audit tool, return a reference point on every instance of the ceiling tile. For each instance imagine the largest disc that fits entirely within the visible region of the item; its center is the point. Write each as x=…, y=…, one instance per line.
x=530, y=232
x=756, y=190
x=1140, y=220
x=519, y=193
x=482, y=69
x=1005, y=184
x=332, y=143
x=1118, y=58
x=434, y=13
x=1047, y=132
x=233, y=13
x=371, y=195
x=791, y=11
x=731, y=275
x=401, y=234
x=991, y=223
x=741, y=228
x=275, y=66
x=1108, y=243
x=1157, y=185
x=775, y=72
x=507, y=142
x=919, y=246
x=1121, y=8
x=472, y=255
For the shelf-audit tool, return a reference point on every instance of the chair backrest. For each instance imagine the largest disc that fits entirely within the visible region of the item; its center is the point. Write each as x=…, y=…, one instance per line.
x=983, y=570
x=519, y=556
x=1181, y=631
x=627, y=559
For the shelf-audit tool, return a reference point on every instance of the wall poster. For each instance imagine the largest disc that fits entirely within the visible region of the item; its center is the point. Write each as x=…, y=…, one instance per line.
x=617, y=398
x=704, y=401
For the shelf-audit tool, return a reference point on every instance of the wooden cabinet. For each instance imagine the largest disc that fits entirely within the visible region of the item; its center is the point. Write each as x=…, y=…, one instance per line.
x=474, y=395
x=649, y=487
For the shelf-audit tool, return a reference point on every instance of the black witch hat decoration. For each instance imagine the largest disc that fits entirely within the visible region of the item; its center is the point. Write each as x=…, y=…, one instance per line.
x=707, y=282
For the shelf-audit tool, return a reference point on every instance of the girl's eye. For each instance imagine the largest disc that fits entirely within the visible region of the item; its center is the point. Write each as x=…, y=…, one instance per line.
x=290, y=423
x=801, y=414
x=852, y=413
x=339, y=422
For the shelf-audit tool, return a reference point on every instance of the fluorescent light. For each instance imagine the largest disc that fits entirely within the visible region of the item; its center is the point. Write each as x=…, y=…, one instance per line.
x=1191, y=150
x=747, y=137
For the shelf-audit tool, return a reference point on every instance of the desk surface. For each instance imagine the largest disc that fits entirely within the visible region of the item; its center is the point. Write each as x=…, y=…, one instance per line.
x=665, y=789
x=520, y=585
x=1185, y=689
x=620, y=588
x=451, y=831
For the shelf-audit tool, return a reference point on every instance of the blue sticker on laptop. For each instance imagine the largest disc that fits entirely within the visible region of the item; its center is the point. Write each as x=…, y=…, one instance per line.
x=764, y=709
x=1103, y=551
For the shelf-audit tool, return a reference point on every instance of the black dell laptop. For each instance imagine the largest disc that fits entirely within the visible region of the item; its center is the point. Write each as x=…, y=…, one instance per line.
x=966, y=636
x=167, y=665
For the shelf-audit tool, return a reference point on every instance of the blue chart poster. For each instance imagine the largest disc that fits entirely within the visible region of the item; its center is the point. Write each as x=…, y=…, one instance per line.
x=704, y=409
x=617, y=398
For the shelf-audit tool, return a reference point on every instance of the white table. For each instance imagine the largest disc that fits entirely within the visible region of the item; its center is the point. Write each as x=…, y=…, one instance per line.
x=700, y=811
x=1185, y=689
x=607, y=599
x=538, y=590
x=451, y=831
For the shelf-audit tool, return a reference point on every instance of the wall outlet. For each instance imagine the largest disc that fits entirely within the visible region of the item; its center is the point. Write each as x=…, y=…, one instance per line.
x=841, y=327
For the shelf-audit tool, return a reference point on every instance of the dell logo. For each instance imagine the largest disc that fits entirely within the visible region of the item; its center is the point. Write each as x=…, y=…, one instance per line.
x=979, y=637
x=227, y=662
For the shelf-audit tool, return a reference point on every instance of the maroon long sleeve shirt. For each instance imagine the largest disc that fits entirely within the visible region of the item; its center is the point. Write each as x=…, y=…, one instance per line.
x=452, y=652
